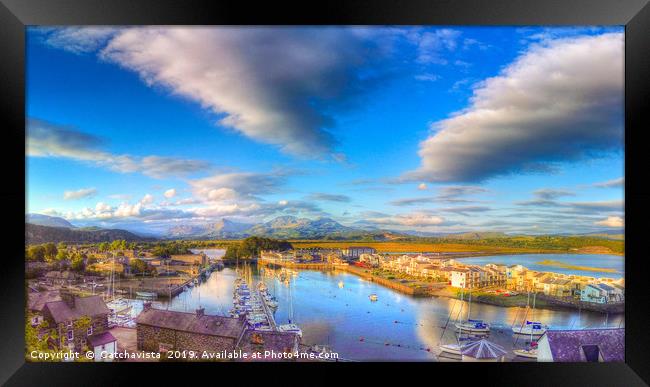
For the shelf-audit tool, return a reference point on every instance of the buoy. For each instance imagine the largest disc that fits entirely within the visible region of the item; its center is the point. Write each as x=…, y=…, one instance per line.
x=395, y=321
x=386, y=343
x=360, y=338
x=428, y=349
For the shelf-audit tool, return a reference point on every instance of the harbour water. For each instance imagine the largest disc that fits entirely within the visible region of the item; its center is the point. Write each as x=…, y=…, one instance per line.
x=395, y=327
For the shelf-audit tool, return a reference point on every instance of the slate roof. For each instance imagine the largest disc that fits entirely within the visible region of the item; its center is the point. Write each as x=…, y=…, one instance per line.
x=101, y=339
x=83, y=306
x=260, y=341
x=482, y=349
x=37, y=300
x=566, y=345
x=191, y=322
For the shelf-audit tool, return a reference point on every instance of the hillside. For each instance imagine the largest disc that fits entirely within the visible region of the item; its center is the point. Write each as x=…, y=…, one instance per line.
x=35, y=234
x=46, y=220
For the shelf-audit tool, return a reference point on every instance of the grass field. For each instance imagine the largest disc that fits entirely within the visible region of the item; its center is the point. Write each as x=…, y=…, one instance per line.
x=413, y=247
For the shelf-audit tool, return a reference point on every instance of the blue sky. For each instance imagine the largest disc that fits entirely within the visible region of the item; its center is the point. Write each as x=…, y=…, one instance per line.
x=434, y=129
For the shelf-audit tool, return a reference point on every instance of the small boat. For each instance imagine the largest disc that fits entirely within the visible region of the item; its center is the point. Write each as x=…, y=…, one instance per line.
x=531, y=328
x=290, y=328
x=473, y=326
x=528, y=353
x=373, y=297
x=451, y=348
x=146, y=294
x=341, y=284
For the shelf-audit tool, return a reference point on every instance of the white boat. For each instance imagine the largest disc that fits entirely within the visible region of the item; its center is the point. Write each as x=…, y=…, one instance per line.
x=373, y=297
x=290, y=328
x=532, y=328
x=528, y=353
x=451, y=348
x=473, y=326
x=146, y=294
x=341, y=284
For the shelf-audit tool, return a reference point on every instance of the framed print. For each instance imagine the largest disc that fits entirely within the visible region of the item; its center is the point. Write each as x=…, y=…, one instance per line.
x=434, y=185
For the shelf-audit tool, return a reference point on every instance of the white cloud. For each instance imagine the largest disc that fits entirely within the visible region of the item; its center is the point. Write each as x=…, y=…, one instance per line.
x=45, y=139
x=415, y=219
x=79, y=194
x=270, y=84
x=147, y=199
x=170, y=193
x=614, y=183
x=432, y=44
x=555, y=103
x=612, y=221
x=77, y=40
x=422, y=187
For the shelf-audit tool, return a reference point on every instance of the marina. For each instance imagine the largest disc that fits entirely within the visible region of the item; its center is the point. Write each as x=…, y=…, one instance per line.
x=395, y=327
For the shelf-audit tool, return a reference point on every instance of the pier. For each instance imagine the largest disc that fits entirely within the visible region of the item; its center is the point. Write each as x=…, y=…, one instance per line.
x=267, y=312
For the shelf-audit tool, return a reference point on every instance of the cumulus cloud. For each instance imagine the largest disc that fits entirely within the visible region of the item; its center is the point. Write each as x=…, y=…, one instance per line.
x=147, y=199
x=170, y=193
x=614, y=183
x=45, y=139
x=612, y=221
x=79, y=194
x=554, y=104
x=273, y=85
x=319, y=196
x=237, y=185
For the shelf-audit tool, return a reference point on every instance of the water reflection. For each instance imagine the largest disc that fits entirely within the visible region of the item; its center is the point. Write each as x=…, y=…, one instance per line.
x=395, y=327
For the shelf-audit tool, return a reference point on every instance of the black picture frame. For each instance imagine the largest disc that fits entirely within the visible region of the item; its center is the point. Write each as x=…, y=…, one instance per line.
x=15, y=15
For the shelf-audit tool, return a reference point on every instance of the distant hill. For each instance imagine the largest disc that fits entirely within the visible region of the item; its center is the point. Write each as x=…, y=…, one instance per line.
x=224, y=229
x=35, y=234
x=46, y=220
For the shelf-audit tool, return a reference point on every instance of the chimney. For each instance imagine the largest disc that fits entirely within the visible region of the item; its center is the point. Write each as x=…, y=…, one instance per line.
x=68, y=298
x=146, y=306
x=200, y=312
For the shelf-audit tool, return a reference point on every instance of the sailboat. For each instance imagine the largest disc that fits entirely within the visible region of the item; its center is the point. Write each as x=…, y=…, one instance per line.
x=472, y=326
x=533, y=329
x=452, y=348
x=290, y=327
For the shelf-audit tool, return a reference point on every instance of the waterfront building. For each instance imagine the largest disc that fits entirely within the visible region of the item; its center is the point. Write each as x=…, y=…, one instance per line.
x=601, y=293
x=373, y=260
x=60, y=277
x=189, y=259
x=468, y=278
x=164, y=330
x=65, y=316
x=557, y=287
x=585, y=345
x=354, y=252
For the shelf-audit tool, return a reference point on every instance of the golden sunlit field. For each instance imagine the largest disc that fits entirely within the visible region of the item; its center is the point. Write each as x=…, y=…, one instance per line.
x=384, y=247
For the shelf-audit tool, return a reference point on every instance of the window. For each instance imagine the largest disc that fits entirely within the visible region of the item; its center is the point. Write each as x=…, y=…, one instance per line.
x=90, y=330
x=592, y=353
x=70, y=335
x=69, y=324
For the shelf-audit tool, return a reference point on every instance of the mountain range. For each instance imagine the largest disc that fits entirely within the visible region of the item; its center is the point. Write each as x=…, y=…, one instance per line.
x=43, y=228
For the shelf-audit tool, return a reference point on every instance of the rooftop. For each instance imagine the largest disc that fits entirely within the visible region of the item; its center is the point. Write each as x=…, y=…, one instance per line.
x=192, y=322
x=101, y=339
x=566, y=345
x=83, y=306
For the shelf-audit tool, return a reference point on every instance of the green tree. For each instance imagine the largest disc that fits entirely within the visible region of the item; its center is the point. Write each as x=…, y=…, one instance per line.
x=78, y=263
x=50, y=251
x=103, y=247
x=36, y=253
x=61, y=255
x=138, y=265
